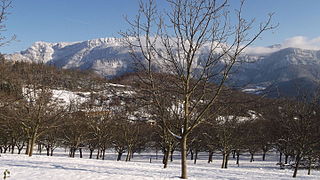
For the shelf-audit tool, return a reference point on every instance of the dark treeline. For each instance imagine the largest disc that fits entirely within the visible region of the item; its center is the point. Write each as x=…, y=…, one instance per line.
x=19, y=73
x=238, y=123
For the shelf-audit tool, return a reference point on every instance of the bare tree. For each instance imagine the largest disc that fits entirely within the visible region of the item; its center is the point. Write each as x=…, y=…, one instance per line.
x=298, y=120
x=5, y=5
x=252, y=139
x=52, y=139
x=167, y=142
x=227, y=136
x=197, y=143
x=75, y=132
x=100, y=131
x=38, y=114
x=10, y=84
x=196, y=43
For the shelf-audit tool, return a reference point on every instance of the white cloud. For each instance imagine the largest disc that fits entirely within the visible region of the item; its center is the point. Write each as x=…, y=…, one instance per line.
x=294, y=42
x=260, y=50
x=302, y=42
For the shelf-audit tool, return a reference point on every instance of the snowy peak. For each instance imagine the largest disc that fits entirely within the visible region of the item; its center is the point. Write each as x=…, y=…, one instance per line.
x=107, y=56
x=110, y=57
x=295, y=56
x=44, y=51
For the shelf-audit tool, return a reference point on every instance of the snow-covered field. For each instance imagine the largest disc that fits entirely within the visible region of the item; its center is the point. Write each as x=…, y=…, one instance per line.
x=61, y=167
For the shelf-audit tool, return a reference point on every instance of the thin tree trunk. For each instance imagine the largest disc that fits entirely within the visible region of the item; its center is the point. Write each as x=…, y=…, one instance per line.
x=183, y=144
x=33, y=140
x=128, y=154
x=309, y=165
x=74, y=152
x=210, y=157
x=48, y=151
x=280, y=157
x=191, y=154
x=27, y=149
x=119, y=156
x=12, y=148
x=103, y=153
x=171, y=155
x=98, y=153
x=238, y=157
x=91, y=152
x=70, y=152
x=127, y=157
x=297, y=165
x=5, y=149
x=80, y=151
x=226, y=161
x=51, y=153
x=39, y=148
x=223, y=159
x=264, y=155
x=252, y=157
x=286, y=159
x=196, y=157
x=166, y=157
x=19, y=150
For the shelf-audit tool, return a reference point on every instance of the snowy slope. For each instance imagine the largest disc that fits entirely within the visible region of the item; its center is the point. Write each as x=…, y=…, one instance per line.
x=40, y=167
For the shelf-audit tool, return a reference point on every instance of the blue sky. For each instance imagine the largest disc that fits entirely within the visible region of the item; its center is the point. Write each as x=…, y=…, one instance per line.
x=77, y=20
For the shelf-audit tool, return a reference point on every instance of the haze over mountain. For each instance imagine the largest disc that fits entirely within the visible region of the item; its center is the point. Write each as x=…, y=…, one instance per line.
x=276, y=67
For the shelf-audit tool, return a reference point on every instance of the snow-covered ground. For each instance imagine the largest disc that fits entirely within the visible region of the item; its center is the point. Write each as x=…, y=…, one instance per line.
x=61, y=167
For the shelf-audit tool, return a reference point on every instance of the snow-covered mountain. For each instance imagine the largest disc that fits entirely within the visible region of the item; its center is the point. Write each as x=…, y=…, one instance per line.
x=276, y=66
x=285, y=71
x=106, y=56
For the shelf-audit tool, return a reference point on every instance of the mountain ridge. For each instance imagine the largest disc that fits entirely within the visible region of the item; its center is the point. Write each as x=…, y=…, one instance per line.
x=110, y=57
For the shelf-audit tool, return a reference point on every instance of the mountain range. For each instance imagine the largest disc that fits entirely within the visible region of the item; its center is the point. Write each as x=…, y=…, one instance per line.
x=281, y=71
